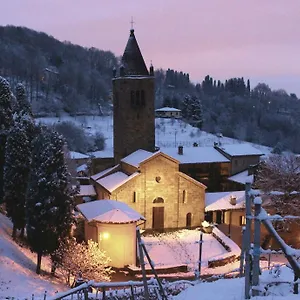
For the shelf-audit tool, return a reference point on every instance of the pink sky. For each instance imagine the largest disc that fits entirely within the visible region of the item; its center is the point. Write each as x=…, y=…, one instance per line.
x=256, y=39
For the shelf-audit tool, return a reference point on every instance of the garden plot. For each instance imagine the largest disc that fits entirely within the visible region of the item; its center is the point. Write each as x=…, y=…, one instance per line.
x=182, y=248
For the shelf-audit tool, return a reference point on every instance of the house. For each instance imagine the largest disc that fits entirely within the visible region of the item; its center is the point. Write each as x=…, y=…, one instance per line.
x=225, y=208
x=168, y=112
x=152, y=185
x=112, y=224
x=79, y=158
x=205, y=164
x=241, y=156
x=86, y=193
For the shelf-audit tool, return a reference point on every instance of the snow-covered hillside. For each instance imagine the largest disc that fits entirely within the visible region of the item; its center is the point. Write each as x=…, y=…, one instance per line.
x=168, y=132
x=17, y=269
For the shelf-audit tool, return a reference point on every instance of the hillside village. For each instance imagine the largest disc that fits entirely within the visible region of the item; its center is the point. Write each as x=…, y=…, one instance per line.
x=148, y=201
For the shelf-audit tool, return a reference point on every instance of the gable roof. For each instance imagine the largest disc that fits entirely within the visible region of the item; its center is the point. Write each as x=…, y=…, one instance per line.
x=115, y=180
x=78, y=155
x=242, y=177
x=196, y=155
x=140, y=156
x=109, y=211
x=134, y=159
x=86, y=190
x=192, y=180
x=132, y=58
x=103, y=173
x=240, y=150
x=221, y=201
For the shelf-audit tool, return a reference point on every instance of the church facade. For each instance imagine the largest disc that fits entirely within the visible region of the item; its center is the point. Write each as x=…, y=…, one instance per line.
x=152, y=184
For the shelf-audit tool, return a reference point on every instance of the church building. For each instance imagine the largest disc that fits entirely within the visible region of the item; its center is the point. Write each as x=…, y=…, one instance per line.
x=147, y=180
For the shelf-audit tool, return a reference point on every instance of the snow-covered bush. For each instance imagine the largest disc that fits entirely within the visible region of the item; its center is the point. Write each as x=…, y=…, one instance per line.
x=72, y=258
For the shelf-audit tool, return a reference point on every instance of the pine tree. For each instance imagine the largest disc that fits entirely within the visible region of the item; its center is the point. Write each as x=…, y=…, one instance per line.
x=16, y=171
x=197, y=118
x=49, y=203
x=6, y=122
x=23, y=105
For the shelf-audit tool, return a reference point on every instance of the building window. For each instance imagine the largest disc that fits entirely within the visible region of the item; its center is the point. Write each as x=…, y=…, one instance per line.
x=134, y=197
x=137, y=96
x=236, y=162
x=189, y=220
x=143, y=102
x=184, y=196
x=132, y=98
x=158, y=200
x=242, y=220
x=158, y=179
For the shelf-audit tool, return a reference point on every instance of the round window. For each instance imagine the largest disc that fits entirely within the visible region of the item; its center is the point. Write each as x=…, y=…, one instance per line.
x=158, y=178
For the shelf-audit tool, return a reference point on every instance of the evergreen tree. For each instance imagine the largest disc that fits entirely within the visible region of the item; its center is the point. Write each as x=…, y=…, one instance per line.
x=197, y=118
x=16, y=171
x=6, y=122
x=24, y=107
x=49, y=203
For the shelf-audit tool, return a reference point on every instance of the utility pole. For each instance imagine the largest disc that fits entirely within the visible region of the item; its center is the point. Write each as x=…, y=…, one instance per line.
x=247, y=240
x=256, y=249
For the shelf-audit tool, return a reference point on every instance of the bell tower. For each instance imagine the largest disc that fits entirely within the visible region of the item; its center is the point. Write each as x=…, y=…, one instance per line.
x=133, y=103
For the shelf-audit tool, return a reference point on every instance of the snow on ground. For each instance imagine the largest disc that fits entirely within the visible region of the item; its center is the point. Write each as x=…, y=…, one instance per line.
x=168, y=132
x=181, y=247
x=233, y=289
x=17, y=269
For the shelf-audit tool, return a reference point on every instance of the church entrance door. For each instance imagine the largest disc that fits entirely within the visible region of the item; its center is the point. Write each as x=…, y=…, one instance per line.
x=158, y=217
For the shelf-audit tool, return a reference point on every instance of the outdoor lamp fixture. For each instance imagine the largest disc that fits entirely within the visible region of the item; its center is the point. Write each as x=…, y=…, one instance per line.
x=105, y=235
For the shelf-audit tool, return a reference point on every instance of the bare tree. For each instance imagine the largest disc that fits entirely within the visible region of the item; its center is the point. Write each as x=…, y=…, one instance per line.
x=279, y=176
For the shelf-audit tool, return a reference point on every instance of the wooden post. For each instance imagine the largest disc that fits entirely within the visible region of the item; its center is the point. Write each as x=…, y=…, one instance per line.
x=200, y=254
x=86, y=295
x=103, y=293
x=142, y=262
x=45, y=295
x=256, y=248
x=229, y=226
x=242, y=257
x=247, y=240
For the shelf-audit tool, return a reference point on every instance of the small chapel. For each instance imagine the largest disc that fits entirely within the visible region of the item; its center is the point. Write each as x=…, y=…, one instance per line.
x=146, y=179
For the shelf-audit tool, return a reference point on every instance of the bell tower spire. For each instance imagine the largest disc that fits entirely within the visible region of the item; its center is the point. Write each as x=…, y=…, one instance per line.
x=133, y=102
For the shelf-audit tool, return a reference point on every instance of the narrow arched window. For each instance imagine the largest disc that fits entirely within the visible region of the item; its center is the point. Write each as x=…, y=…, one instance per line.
x=184, y=196
x=134, y=197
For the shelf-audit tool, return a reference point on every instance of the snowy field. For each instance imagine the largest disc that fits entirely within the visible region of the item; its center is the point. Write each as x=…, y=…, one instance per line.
x=17, y=269
x=169, y=133
x=18, y=279
x=233, y=289
x=181, y=247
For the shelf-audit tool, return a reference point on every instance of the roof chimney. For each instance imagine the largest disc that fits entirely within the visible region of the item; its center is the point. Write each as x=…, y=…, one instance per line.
x=232, y=200
x=180, y=150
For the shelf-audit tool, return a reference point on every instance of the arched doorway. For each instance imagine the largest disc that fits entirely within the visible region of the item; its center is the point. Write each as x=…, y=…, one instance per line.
x=158, y=213
x=189, y=220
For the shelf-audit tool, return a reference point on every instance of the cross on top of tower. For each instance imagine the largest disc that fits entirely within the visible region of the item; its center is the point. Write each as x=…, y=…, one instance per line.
x=132, y=22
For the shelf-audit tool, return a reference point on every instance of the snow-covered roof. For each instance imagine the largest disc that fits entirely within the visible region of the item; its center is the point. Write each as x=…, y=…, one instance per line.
x=196, y=155
x=103, y=173
x=242, y=177
x=137, y=157
x=240, y=149
x=172, y=109
x=82, y=168
x=109, y=211
x=86, y=190
x=113, y=181
x=78, y=155
x=221, y=200
x=107, y=153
